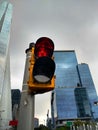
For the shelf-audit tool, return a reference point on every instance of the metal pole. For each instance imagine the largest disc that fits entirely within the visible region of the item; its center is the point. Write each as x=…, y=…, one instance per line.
x=26, y=110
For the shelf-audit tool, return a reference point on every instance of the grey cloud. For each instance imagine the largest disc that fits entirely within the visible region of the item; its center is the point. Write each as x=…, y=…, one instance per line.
x=71, y=24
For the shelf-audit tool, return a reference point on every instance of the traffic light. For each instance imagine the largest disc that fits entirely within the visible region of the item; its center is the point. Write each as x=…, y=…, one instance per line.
x=42, y=66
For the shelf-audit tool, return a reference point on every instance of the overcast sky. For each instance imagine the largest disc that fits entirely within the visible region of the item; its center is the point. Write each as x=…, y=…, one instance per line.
x=71, y=24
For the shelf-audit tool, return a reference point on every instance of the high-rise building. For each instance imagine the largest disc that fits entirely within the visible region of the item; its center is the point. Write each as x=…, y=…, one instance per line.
x=82, y=102
x=75, y=93
x=5, y=86
x=15, y=96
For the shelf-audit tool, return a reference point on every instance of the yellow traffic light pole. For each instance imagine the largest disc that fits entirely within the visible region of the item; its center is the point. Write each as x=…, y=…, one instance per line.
x=26, y=110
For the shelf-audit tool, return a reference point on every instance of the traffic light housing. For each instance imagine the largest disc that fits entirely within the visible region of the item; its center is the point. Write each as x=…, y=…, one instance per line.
x=42, y=66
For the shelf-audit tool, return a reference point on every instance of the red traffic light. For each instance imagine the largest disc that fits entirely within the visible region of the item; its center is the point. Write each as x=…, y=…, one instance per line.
x=44, y=47
x=44, y=66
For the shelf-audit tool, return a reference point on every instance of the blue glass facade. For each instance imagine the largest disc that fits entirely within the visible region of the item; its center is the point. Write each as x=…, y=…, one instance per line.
x=70, y=75
x=66, y=68
x=86, y=81
x=66, y=106
x=83, y=103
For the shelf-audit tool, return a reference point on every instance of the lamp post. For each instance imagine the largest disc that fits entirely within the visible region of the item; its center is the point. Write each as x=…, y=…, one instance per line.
x=26, y=110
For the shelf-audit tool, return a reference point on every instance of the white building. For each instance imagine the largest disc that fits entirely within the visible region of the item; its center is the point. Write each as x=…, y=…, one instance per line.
x=5, y=86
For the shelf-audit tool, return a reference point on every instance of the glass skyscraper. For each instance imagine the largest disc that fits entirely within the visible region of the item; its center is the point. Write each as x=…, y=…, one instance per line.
x=83, y=104
x=74, y=94
x=5, y=86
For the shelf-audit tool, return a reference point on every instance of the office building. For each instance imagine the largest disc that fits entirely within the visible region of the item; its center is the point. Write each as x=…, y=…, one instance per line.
x=82, y=102
x=73, y=81
x=15, y=96
x=36, y=122
x=5, y=86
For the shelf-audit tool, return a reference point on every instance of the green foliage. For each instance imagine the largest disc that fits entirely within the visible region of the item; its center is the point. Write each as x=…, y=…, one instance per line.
x=63, y=128
x=41, y=127
x=78, y=122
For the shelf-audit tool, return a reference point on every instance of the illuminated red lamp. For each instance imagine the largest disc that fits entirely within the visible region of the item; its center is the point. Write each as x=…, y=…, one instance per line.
x=44, y=47
x=44, y=66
